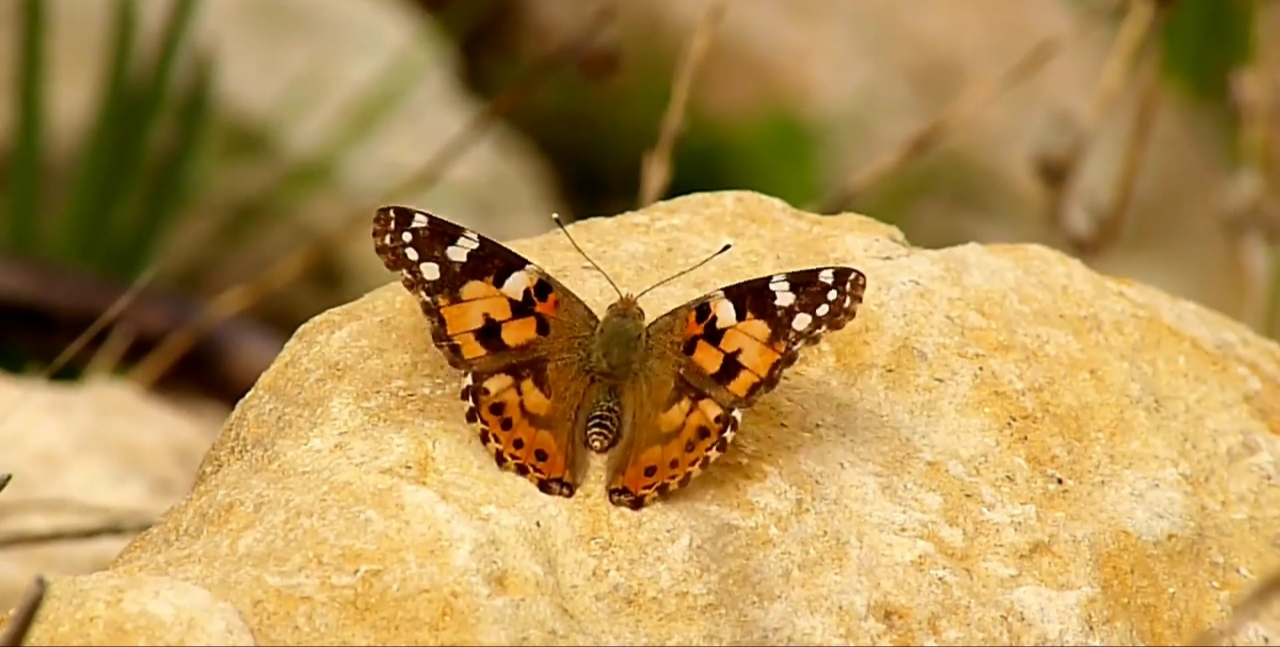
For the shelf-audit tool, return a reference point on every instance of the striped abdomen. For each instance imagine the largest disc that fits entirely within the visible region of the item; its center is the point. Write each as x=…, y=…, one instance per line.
x=604, y=422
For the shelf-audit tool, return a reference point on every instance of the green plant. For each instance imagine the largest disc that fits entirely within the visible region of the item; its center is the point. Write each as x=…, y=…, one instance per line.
x=1204, y=41
x=133, y=172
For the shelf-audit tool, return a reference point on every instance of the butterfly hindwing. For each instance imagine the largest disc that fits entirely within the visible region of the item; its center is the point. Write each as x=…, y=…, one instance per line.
x=515, y=330
x=526, y=415
x=720, y=353
x=676, y=430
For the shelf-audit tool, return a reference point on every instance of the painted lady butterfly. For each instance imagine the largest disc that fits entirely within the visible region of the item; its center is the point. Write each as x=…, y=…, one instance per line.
x=547, y=378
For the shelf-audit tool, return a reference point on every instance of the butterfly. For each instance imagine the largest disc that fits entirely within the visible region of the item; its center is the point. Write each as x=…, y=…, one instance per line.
x=547, y=380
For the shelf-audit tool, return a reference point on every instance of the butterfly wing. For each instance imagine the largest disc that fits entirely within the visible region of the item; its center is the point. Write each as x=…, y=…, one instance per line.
x=516, y=331
x=727, y=348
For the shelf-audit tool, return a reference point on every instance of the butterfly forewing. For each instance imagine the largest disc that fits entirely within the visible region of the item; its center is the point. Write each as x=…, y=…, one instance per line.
x=515, y=330
x=716, y=355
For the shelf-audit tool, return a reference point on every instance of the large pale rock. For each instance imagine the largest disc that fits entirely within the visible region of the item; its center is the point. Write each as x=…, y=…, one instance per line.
x=1004, y=447
x=95, y=453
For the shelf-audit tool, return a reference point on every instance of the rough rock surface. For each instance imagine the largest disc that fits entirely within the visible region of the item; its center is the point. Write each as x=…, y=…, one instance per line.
x=85, y=455
x=1004, y=447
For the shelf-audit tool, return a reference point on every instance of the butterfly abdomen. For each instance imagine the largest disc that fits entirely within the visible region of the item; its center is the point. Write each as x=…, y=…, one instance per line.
x=603, y=422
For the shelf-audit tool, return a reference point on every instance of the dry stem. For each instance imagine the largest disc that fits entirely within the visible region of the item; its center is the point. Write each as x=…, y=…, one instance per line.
x=1109, y=227
x=15, y=632
x=110, y=528
x=1116, y=72
x=655, y=172
x=1246, y=611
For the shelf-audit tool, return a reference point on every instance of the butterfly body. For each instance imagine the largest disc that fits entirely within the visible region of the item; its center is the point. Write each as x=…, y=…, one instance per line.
x=548, y=380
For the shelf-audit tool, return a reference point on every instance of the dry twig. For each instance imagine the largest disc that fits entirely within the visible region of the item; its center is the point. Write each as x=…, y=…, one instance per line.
x=103, y=320
x=1245, y=612
x=1251, y=223
x=4, y=480
x=1108, y=228
x=112, y=350
x=109, y=315
x=1059, y=167
x=15, y=632
x=655, y=169
x=975, y=97
x=105, y=529
x=289, y=267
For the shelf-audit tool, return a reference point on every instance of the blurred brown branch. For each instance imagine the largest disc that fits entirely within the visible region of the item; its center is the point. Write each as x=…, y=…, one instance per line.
x=1251, y=219
x=1108, y=228
x=109, y=528
x=1246, y=611
x=103, y=320
x=288, y=268
x=15, y=631
x=4, y=480
x=928, y=135
x=1059, y=165
x=655, y=168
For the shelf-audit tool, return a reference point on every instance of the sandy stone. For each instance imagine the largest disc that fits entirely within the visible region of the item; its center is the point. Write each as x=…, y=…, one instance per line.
x=1004, y=447
x=101, y=451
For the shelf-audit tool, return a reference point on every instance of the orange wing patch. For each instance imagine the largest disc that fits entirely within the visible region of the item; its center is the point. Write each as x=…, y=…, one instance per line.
x=487, y=318
x=691, y=433
x=511, y=411
x=738, y=353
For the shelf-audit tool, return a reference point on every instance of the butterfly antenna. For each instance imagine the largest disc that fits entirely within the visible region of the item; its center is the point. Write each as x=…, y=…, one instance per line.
x=556, y=218
x=691, y=268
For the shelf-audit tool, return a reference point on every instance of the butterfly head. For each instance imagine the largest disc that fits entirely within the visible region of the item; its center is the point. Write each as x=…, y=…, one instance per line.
x=621, y=334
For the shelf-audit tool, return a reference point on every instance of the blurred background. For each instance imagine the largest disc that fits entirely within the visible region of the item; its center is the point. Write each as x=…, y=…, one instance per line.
x=184, y=182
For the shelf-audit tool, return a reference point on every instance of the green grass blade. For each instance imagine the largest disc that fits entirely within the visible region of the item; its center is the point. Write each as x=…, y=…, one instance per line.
x=174, y=169
x=304, y=178
x=24, y=189
x=1204, y=41
x=120, y=227
x=81, y=227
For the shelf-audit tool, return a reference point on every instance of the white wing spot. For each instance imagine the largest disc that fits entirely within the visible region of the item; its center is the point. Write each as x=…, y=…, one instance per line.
x=801, y=321
x=419, y=220
x=456, y=253
x=732, y=429
x=833, y=294
x=822, y=310
x=827, y=276
x=430, y=271
x=516, y=284
x=386, y=240
x=469, y=239
x=847, y=301
x=782, y=295
x=406, y=237
x=411, y=254
x=726, y=314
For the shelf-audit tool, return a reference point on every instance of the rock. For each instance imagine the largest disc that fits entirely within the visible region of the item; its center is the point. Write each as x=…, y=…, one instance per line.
x=1004, y=447
x=86, y=455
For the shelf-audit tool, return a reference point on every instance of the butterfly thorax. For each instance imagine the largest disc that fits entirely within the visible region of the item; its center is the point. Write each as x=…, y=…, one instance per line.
x=619, y=341
x=618, y=349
